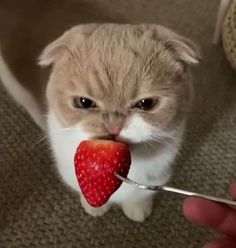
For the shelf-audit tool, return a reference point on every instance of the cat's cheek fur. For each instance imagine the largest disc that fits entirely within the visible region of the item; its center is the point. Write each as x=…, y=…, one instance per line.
x=137, y=130
x=155, y=170
x=64, y=142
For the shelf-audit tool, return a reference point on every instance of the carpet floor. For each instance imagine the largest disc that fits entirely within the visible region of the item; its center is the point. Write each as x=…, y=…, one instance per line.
x=38, y=210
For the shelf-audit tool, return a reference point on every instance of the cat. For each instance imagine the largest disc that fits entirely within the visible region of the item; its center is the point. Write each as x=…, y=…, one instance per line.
x=127, y=82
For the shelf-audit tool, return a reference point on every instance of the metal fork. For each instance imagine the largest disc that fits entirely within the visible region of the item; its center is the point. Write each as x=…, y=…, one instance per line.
x=175, y=190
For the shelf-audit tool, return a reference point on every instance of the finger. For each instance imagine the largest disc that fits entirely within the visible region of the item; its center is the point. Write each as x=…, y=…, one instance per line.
x=211, y=214
x=221, y=243
x=232, y=190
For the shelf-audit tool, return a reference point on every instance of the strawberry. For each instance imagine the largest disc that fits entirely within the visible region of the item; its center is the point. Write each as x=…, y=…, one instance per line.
x=96, y=162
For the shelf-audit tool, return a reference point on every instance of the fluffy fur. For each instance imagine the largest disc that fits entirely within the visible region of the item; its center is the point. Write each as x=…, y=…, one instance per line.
x=116, y=66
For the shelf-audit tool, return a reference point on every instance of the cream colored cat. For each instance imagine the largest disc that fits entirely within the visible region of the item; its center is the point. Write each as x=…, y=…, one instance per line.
x=131, y=83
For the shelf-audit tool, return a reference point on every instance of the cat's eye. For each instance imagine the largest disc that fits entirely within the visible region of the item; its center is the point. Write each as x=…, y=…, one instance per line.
x=146, y=104
x=84, y=103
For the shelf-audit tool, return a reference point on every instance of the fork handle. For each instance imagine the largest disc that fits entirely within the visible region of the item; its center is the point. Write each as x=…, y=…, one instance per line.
x=189, y=193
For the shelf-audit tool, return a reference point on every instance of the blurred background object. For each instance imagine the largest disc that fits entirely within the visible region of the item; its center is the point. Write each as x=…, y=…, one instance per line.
x=229, y=34
x=223, y=7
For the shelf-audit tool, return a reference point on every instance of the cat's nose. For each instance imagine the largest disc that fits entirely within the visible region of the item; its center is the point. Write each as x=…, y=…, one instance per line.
x=113, y=130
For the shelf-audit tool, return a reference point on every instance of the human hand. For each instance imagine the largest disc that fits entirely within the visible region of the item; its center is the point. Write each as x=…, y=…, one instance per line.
x=216, y=216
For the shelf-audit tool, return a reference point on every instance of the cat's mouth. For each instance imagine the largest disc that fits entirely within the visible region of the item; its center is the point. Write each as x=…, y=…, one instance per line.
x=132, y=145
x=115, y=138
x=105, y=137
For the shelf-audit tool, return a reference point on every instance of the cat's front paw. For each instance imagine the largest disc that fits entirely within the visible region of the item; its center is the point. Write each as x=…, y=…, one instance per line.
x=138, y=210
x=95, y=212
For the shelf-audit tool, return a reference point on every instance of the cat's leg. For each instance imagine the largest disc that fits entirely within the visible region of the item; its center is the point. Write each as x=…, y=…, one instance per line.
x=138, y=205
x=138, y=209
x=91, y=210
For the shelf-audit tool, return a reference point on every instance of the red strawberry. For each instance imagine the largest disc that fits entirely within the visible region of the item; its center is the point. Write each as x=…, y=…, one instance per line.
x=96, y=161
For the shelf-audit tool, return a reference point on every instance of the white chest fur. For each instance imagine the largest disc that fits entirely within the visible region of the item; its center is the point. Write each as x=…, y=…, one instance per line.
x=148, y=166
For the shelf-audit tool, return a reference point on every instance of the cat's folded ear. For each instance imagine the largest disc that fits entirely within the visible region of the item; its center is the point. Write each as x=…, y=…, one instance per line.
x=186, y=51
x=54, y=51
x=66, y=44
x=183, y=49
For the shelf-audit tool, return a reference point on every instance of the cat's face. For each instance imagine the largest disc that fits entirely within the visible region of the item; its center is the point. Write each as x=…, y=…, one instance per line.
x=126, y=82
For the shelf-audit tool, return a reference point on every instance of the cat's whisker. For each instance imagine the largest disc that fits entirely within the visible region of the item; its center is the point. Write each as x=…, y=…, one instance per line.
x=145, y=144
x=148, y=144
x=151, y=144
x=161, y=140
x=40, y=140
x=164, y=138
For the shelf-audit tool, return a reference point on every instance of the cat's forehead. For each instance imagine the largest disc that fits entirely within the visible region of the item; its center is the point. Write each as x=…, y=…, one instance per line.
x=121, y=49
x=117, y=62
x=121, y=67
x=115, y=79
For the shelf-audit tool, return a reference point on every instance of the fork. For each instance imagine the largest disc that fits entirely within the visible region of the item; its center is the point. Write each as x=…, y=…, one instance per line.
x=175, y=190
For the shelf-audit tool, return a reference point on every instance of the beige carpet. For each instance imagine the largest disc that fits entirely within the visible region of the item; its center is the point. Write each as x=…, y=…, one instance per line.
x=37, y=210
